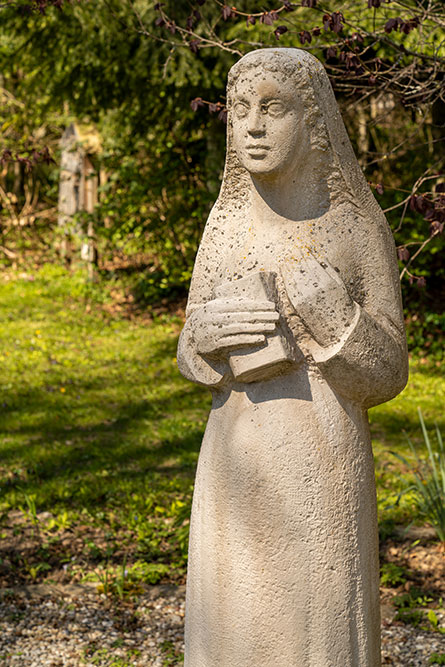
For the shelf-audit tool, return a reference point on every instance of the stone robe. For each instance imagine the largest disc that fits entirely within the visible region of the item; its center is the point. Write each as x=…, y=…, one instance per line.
x=283, y=560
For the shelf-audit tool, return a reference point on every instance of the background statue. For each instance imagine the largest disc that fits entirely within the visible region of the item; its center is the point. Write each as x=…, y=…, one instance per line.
x=294, y=322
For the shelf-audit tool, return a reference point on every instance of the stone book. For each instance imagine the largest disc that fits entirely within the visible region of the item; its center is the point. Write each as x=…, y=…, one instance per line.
x=279, y=353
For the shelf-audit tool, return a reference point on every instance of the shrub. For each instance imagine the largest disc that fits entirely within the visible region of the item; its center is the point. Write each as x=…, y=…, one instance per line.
x=429, y=480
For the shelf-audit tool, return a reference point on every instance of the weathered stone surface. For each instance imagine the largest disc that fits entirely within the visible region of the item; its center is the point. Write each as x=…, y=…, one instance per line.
x=283, y=560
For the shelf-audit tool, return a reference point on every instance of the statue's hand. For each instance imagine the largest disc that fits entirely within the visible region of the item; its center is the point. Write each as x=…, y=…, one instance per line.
x=222, y=325
x=319, y=297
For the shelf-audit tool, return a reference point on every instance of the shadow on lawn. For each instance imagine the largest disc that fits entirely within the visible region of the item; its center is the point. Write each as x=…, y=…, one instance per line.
x=136, y=441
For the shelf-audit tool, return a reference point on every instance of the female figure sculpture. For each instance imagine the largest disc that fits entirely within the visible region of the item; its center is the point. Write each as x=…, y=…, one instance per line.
x=294, y=322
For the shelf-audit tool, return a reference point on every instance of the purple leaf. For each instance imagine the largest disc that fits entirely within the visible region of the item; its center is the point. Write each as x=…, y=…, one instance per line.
x=266, y=18
x=403, y=254
x=390, y=25
x=196, y=103
x=280, y=30
x=337, y=19
x=226, y=12
x=193, y=44
x=436, y=227
x=305, y=36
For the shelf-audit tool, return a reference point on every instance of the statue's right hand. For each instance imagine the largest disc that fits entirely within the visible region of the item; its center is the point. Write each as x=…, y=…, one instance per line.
x=225, y=324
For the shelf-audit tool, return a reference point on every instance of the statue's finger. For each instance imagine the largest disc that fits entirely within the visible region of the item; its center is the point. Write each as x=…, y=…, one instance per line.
x=241, y=305
x=255, y=316
x=241, y=340
x=246, y=327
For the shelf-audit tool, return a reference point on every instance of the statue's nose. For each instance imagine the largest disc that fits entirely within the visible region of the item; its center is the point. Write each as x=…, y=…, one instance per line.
x=256, y=123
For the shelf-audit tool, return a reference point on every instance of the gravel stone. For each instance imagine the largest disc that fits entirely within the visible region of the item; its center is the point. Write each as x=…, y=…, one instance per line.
x=71, y=626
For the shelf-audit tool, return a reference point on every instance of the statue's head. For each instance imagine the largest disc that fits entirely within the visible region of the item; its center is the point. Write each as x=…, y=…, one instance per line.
x=283, y=118
x=275, y=121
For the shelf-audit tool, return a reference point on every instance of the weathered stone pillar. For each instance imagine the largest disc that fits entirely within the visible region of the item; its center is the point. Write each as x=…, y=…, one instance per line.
x=78, y=191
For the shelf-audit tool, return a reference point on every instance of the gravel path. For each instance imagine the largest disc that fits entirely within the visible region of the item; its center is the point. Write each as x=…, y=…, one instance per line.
x=70, y=626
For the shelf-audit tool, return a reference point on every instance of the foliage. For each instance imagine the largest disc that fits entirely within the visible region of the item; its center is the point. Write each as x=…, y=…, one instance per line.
x=425, y=335
x=410, y=616
x=415, y=598
x=132, y=69
x=99, y=655
x=159, y=188
x=392, y=575
x=429, y=480
x=409, y=612
x=170, y=655
x=391, y=423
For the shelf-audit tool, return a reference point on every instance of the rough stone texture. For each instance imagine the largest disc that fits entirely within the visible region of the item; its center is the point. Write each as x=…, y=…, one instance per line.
x=283, y=561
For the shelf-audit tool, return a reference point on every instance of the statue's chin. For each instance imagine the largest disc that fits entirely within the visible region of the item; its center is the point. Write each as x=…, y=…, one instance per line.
x=265, y=166
x=262, y=169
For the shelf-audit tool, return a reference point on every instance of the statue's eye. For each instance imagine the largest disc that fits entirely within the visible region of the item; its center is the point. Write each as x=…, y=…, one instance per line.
x=241, y=109
x=275, y=109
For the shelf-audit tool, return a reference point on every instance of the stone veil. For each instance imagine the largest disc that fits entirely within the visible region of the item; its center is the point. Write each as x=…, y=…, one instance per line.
x=294, y=322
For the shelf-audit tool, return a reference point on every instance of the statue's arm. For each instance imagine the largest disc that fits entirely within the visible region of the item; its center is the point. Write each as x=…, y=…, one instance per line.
x=369, y=361
x=215, y=326
x=192, y=365
x=357, y=335
x=369, y=364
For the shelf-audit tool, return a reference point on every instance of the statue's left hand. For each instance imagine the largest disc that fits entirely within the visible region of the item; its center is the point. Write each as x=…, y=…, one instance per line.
x=319, y=297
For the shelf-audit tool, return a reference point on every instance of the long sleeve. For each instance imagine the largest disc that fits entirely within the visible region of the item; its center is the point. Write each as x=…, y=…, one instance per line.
x=191, y=364
x=369, y=364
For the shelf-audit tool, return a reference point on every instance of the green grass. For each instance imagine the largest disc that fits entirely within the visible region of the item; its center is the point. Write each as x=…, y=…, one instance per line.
x=392, y=424
x=99, y=430
x=97, y=425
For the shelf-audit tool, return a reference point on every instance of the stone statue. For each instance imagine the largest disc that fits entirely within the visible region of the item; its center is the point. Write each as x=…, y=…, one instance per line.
x=294, y=322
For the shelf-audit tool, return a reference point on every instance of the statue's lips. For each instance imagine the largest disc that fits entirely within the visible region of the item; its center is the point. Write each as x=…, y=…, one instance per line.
x=257, y=151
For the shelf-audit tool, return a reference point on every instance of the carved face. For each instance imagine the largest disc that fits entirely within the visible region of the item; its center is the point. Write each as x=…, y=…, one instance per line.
x=268, y=124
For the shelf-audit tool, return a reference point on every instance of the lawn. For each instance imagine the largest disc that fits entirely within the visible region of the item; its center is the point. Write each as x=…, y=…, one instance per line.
x=99, y=437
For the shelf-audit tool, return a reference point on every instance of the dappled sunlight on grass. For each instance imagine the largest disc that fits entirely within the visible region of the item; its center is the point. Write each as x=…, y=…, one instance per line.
x=94, y=413
x=100, y=432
